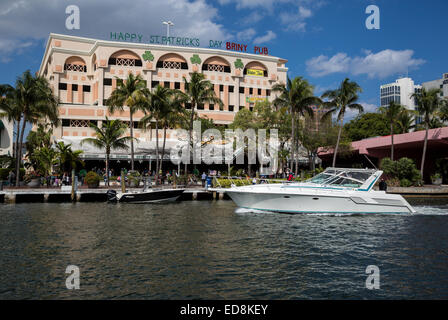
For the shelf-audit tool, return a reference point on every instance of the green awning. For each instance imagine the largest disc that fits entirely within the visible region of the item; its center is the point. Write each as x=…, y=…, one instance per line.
x=2, y=126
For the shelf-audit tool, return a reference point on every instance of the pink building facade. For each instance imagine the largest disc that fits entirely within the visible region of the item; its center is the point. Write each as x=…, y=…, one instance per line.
x=83, y=73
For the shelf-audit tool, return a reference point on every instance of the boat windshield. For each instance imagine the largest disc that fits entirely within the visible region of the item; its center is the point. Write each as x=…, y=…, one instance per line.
x=351, y=178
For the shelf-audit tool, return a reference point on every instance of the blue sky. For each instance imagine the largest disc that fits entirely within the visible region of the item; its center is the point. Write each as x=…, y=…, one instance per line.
x=323, y=40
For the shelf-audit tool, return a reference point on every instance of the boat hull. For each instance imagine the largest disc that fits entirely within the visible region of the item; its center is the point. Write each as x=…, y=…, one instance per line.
x=318, y=203
x=151, y=196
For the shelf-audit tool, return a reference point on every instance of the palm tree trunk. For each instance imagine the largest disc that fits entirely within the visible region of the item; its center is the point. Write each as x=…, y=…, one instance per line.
x=193, y=106
x=424, y=150
x=163, y=147
x=131, y=127
x=392, y=142
x=293, y=140
x=16, y=147
x=19, y=151
x=157, y=152
x=337, y=144
x=107, y=166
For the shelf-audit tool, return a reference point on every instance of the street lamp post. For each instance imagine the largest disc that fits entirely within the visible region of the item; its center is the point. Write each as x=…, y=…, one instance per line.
x=168, y=24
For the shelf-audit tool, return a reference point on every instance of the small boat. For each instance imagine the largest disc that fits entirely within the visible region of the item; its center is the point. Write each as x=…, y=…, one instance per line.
x=145, y=196
x=336, y=190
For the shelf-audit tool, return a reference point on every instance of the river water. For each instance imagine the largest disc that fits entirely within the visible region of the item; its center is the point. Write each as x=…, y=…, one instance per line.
x=212, y=250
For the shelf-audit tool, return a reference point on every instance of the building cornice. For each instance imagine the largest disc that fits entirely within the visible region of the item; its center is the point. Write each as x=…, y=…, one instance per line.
x=130, y=45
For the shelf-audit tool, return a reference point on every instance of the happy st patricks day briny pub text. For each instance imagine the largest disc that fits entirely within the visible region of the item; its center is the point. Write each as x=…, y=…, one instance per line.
x=185, y=41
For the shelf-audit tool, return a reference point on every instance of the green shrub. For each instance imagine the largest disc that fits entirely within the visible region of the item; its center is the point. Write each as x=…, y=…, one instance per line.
x=403, y=169
x=405, y=183
x=227, y=183
x=92, y=178
x=4, y=172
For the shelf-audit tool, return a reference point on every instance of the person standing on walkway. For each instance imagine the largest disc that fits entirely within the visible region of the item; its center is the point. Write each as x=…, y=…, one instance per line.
x=203, y=178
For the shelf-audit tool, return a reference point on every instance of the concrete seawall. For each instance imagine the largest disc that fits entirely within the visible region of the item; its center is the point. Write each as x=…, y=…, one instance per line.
x=29, y=195
x=99, y=195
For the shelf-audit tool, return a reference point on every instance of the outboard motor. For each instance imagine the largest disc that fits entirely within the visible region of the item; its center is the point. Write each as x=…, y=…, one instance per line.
x=112, y=196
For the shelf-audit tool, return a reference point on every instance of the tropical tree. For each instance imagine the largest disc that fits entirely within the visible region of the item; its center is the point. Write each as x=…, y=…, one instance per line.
x=391, y=113
x=33, y=101
x=68, y=159
x=443, y=112
x=198, y=92
x=9, y=110
x=405, y=121
x=428, y=104
x=127, y=94
x=160, y=106
x=297, y=95
x=40, y=154
x=109, y=137
x=340, y=101
x=174, y=116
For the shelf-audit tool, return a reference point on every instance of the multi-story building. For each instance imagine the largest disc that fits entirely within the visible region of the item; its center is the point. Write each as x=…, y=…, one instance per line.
x=6, y=137
x=400, y=92
x=439, y=84
x=83, y=73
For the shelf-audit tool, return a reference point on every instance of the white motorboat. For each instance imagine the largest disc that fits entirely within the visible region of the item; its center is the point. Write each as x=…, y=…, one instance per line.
x=336, y=190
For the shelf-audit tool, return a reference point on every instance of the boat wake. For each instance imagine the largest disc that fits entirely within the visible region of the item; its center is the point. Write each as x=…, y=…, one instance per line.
x=431, y=211
x=326, y=214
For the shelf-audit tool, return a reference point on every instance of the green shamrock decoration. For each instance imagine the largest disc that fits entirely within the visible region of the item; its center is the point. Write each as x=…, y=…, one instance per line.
x=239, y=64
x=195, y=59
x=147, y=56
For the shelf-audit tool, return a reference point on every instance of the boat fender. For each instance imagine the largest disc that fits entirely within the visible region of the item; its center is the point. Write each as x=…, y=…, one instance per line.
x=112, y=196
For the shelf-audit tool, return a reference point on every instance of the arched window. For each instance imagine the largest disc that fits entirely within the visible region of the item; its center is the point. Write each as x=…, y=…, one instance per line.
x=172, y=61
x=75, y=64
x=256, y=68
x=216, y=64
x=125, y=58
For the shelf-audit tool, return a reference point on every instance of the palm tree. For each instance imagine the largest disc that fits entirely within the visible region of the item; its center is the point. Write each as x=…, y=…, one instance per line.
x=297, y=95
x=428, y=103
x=127, y=94
x=405, y=121
x=342, y=99
x=391, y=113
x=174, y=116
x=34, y=101
x=68, y=159
x=10, y=110
x=198, y=91
x=109, y=137
x=156, y=105
x=443, y=112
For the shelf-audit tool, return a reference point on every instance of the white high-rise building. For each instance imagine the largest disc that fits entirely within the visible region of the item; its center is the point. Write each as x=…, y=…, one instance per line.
x=399, y=91
x=441, y=84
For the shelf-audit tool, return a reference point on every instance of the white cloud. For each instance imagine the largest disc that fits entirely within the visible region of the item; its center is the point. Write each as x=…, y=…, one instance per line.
x=270, y=35
x=246, y=35
x=368, y=107
x=322, y=65
x=25, y=21
x=242, y=4
x=295, y=21
x=375, y=65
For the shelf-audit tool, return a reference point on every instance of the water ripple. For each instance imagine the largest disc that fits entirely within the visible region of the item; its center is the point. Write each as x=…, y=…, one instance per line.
x=211, y=250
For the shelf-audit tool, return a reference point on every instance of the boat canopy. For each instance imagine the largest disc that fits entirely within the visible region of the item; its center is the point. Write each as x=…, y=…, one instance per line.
x=347, y=177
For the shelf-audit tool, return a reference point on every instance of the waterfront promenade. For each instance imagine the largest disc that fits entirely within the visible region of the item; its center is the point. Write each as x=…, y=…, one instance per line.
x=21, y=195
